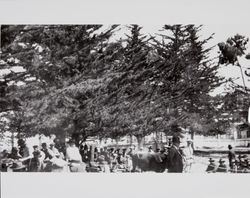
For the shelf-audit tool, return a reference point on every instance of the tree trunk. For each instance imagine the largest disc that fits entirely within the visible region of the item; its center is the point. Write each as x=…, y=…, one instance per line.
x=192, y=135
x=131, y=140
x=192, y=138
x=12, y=139
x=117, y=141
x=139, y=141
x=92, y=153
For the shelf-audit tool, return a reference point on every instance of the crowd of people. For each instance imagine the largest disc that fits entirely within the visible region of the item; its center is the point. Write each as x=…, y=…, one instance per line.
x=52, y=157
x=236, y=164
x=56, y=157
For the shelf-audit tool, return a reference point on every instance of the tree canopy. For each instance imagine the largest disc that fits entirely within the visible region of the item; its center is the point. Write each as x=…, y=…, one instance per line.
x=75, y=79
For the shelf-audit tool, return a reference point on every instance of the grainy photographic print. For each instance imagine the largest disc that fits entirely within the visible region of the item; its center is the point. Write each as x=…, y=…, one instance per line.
x=124, y=99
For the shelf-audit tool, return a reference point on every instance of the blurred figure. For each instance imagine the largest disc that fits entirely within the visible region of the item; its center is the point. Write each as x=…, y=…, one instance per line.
x=48, y=152
x=36, y=148
x=231, y=156
x=157, y=150
x=4, y=154
x=245, y=164
x=234, y=168
x=188, y=156
x=74, y=158
x=103, y=164
x=84, y=151
x=211, y=166
x=150, y=149
x=18, y=166
x=128, y=163
x=5, y=161
x=35, y=164
x=175, y=158
x=14, y=154
x=24, y=149
x=60, y=146
x=222, y=168
x=54, y=149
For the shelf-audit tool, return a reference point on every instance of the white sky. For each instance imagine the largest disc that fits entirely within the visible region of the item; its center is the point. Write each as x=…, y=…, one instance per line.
x=222, y=32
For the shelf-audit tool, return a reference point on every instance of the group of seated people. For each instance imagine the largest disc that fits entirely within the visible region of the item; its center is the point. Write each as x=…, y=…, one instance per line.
x=45, y=158
x=237, y=165
x=111, y=160
x=48, y=157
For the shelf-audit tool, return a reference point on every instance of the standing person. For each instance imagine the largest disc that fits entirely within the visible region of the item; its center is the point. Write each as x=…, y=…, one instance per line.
x=231, y=156
x=48, y=155
x=74, y=157
x=36, y=148
x=175, y=158
x=188, y=156
x=47, y=152
x=24, y=150
x=35, y=164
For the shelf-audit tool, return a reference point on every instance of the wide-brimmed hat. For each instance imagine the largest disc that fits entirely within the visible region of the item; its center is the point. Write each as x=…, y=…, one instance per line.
x=211, y=160
x=17, y=166
x=221, y=161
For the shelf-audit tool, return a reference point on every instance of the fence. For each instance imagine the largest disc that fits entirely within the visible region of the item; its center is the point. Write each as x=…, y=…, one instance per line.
x=219, y=142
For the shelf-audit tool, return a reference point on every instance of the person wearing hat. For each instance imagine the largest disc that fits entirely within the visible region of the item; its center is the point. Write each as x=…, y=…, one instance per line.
x=231, y=155
x=222, y=168
x=24, y=150
x=175, y=158
x=47, y=152
x=48, y=156
x=212, y=167
x=36, y=148
x=188, y=153
x=35, y=164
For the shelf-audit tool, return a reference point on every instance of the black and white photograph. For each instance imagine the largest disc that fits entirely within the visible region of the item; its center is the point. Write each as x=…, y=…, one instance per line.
x=124, y=98
x=132, y=98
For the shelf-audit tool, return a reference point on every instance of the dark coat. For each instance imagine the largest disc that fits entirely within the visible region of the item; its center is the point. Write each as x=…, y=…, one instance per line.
x=175, y=160
x=231, y=156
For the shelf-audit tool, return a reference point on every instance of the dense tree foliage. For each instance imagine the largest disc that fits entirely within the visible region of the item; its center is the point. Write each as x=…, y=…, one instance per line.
x=76, y=80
